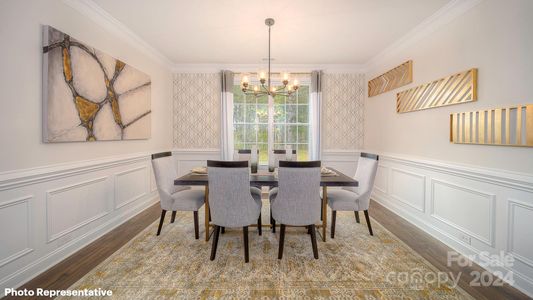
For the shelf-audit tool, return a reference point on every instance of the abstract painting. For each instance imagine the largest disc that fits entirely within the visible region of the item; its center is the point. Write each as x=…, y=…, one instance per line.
x=89, y=95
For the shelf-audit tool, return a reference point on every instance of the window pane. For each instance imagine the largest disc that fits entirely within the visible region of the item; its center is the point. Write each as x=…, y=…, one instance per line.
x=292, y=134
x=263, y=153
x=250, y=99
x=238, y=113
x=238, y=134
x=303, y=113
x=279, y=146
x=303, y=94
x=250, y=113
x=262, y=99
x=279, y=99
x=291, y=113
x=279, y=133
x=238, y=95
x=250, y=135
x=292, y=99
x=262, y=113
x=303, y=134
x=303, y=152
x=262, y=134
x=279, y=113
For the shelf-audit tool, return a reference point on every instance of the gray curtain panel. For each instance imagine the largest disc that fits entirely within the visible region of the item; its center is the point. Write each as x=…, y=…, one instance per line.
x=316, y=101
x=227, y=114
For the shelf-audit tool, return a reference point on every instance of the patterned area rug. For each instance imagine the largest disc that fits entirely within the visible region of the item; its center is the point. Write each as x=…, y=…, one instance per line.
x=354, y=265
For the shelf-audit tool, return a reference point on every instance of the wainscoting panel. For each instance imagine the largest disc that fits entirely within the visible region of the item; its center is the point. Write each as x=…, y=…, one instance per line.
x=48, y=213
x=131, y=185
x=15, y=216
x=474, y=211
x=453, y=205
x=520, y=219
x=344, y=161
x=408, y=188
x=187, y=159
x=71, y=207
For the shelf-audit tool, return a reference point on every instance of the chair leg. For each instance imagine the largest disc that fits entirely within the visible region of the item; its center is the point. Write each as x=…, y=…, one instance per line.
x=368, y=222
x=196, y=231
x=163, y=212
x=281, y=240
x=357, y=216
x=215, y=242
x=246, y=250
x=333, y=219
x=173, y=218
x=313, y=241
x=259, y=229
x=223, y=230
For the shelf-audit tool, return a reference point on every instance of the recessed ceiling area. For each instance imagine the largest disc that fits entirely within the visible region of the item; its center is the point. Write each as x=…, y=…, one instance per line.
x=306, y=32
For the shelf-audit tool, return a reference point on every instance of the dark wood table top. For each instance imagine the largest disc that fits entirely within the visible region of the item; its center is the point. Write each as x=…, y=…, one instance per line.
x=263, y=178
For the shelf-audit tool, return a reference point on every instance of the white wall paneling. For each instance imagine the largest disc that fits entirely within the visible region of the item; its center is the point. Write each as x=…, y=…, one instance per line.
x=408, y=187
x=472, y=210
x=131, y=185
x=15, y=216
x=342, y=160
x=187, y=159
x=48, y=213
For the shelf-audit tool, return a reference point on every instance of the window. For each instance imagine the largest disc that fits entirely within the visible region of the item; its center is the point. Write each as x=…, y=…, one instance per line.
x=290, y=121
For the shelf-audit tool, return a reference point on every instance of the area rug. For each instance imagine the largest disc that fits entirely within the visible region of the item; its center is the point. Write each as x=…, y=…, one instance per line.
x=354, y=265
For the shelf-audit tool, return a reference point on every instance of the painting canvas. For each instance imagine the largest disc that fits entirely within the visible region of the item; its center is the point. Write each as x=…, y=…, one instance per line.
x=89, y=95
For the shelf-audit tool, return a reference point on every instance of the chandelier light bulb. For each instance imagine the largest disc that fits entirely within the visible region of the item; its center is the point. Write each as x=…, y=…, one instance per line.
x=245, y=79
x=295, y=82
x=256, y=88
x=262, y=75
x=285, y=76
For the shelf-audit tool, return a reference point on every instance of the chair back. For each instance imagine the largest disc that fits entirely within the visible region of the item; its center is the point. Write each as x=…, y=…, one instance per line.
x=165, y=172
x=244, y=154
x=281, y=154
x=230, y=200
x=367, y=167
x=298, y=201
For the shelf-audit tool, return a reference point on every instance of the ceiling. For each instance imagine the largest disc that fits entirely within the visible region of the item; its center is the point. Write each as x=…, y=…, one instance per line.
x=306, y=31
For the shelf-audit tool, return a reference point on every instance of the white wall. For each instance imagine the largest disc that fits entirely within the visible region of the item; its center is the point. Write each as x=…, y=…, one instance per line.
x=57, y=198
x=474, y=198
x=497, y=38
x=21, y=76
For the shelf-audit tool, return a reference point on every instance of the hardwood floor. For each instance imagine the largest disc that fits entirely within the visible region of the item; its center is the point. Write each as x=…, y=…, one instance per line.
x=70, y=270
x=435, y=252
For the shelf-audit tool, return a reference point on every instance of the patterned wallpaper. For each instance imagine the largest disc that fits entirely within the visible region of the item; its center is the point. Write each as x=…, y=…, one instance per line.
x=343, y=111
x=196, y=111
x=196, y=100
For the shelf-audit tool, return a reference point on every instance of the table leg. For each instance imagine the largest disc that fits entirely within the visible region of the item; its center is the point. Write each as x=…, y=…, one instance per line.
x=206, y=205
x=324, y=212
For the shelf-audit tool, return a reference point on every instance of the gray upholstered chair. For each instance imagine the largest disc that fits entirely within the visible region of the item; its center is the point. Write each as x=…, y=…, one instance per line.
x=246, y=155
x=172, y=197
x=277, y=156
x=230, y=201
x=355, y=198
x=297, y=202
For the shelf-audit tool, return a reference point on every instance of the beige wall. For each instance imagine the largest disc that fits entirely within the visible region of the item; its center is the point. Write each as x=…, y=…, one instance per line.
x=21, y=77
x=495, y=37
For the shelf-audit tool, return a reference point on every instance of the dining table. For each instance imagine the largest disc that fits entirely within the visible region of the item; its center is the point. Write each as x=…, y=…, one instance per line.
x=266, y=178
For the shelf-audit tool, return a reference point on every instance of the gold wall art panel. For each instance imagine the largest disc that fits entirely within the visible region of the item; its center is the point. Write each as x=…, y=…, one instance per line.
x=454, y=89
x=510, y=126
x=395, y=78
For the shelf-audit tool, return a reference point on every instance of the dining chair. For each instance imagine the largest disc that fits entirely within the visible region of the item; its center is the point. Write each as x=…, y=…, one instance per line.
x=172, y=197
x=355, y=199
x=277, y=156
x=246, y=155
x=230, y=201
x=297, y=202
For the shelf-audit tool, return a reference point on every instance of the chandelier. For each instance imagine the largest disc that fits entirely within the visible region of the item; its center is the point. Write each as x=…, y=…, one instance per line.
x=266, y=87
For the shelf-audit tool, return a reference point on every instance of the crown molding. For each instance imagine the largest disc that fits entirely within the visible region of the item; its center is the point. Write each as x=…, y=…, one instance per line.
x=101, y=17
x=213, y=68
x=443, y=16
